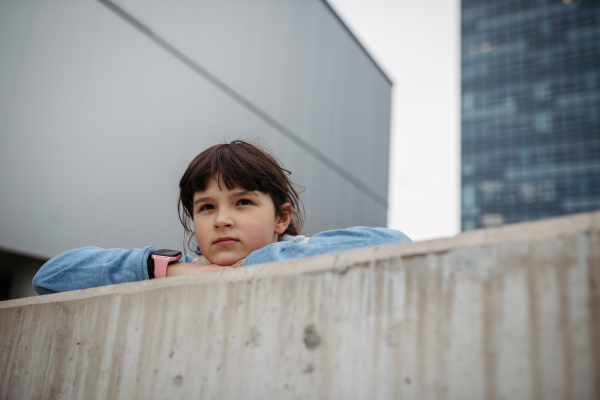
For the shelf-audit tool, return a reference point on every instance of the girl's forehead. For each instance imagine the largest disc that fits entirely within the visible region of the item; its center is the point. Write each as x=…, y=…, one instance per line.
x=212, y=189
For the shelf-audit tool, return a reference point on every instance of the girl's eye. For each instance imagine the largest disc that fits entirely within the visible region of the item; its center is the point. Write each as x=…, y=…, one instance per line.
x=244, y=202
x=207, y=207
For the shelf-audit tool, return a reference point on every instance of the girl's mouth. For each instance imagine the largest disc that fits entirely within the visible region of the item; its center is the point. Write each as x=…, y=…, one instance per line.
x=225, y=241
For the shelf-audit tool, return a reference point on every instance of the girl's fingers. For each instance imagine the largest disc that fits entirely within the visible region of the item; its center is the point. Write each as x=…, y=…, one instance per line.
x=238, y=264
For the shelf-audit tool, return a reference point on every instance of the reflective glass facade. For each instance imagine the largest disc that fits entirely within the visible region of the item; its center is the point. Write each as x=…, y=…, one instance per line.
x=530, y=110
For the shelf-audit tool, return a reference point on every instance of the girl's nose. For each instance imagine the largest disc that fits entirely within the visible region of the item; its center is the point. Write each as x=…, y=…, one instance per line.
x=223, y=219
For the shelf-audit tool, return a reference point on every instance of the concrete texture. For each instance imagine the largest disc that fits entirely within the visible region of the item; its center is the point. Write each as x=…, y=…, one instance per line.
x=507, y=313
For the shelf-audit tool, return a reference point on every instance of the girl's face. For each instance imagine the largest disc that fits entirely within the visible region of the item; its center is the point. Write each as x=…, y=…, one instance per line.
x=230, y=224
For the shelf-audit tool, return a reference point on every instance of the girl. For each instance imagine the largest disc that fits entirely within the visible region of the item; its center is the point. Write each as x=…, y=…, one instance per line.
x=241, y=208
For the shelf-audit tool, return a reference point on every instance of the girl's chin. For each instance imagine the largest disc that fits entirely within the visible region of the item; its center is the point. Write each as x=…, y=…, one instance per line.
x=224, y=262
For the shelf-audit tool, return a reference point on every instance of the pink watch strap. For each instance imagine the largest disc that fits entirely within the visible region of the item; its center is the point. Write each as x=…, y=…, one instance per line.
x=161, y=263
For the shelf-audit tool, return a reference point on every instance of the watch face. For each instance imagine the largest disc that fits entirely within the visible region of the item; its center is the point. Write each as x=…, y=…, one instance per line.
x=167, y=253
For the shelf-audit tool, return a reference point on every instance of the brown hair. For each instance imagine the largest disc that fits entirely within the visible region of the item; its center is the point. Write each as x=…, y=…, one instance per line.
x=239, y=164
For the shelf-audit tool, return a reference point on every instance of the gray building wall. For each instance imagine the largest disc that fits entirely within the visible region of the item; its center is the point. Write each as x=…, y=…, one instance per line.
x=103, y=104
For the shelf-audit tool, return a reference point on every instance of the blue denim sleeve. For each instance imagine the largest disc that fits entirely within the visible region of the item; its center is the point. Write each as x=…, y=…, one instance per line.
x=326, y=242
x=89, y=267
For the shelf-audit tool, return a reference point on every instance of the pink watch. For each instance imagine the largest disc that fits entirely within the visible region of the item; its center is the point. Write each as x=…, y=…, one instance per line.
x=162, y=258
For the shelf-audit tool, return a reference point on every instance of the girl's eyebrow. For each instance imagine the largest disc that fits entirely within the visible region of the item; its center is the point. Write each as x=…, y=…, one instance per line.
x=202, y=199
x=243, y=193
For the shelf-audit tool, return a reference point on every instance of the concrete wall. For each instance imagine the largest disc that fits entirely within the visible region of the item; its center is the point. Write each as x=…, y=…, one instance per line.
x=507, y=313
x=101, y=102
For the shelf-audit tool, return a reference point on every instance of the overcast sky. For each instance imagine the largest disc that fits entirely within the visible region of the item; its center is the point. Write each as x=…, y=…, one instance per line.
x=417, y=45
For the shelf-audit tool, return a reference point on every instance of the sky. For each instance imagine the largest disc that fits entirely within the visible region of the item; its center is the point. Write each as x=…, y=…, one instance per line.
x=417, y=45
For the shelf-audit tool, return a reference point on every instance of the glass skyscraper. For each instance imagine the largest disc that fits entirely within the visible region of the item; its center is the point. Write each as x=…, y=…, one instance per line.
x=530, y=110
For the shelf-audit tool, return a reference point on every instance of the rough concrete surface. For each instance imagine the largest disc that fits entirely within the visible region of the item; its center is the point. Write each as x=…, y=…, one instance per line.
x=507, y=313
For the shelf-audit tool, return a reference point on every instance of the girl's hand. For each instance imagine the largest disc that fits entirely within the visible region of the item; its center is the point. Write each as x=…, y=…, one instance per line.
x=236, y=265
x=181, y=268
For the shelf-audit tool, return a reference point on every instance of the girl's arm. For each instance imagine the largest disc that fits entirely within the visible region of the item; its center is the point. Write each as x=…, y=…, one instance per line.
x=182, y=268
x=89, y=267
x=327, y=242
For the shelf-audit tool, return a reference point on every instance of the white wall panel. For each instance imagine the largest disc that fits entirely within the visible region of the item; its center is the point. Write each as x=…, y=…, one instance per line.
x=99, y=122
x=295, y=61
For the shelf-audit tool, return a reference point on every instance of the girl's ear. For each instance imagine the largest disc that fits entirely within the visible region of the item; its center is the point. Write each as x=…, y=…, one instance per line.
x=283, y=218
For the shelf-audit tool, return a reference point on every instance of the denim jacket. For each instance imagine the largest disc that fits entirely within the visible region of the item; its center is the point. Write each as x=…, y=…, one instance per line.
x=89, y=267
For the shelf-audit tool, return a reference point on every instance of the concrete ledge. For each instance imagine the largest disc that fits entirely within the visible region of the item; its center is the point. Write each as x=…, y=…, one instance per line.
x=512, y=312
